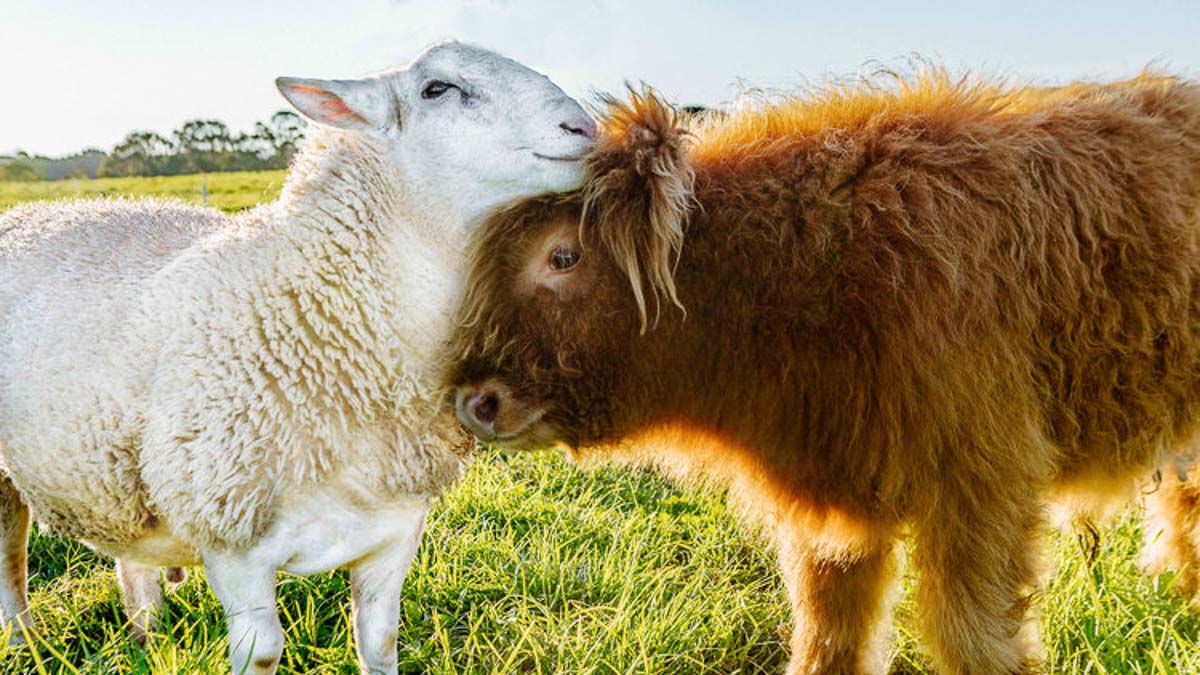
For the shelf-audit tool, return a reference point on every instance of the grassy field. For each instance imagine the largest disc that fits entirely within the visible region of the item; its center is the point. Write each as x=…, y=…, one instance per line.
x=226, y=191
x=533, y=565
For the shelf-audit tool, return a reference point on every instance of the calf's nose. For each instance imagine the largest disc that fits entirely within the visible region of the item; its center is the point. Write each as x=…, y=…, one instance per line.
x=477, y=408
x=483, y=407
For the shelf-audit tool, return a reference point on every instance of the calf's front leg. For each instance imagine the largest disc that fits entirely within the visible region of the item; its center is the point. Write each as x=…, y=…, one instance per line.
x=245, y=585
x=977, y=557
x=839, y=602
x=375, y=585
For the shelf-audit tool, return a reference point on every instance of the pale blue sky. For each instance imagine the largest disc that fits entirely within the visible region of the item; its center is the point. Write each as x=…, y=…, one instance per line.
x=80, y=73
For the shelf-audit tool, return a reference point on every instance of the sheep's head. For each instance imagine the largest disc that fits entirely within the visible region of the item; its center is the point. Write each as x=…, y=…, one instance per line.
x=468, y=128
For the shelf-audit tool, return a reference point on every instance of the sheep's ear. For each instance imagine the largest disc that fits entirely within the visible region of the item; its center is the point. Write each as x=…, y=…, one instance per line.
x=640, y=191
x=345, y=104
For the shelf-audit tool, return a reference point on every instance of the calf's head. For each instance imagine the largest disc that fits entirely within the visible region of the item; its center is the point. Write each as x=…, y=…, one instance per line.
x=469, y=129
x=566, y=293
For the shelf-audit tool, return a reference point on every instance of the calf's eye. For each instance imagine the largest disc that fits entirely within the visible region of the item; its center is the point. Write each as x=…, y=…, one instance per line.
x=563, y=258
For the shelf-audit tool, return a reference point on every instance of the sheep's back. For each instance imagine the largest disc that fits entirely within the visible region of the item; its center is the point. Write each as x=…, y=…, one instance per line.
x=72, y=369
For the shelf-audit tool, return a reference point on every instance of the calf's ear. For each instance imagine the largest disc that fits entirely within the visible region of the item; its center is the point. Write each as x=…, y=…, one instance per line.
x=640, y=192
x=360, y=105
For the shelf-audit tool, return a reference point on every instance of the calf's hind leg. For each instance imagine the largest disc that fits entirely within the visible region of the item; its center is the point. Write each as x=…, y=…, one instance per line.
x=14, y=540
x=1170, y=530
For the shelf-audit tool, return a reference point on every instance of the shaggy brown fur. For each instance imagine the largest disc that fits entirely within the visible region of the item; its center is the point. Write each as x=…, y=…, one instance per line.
x=870, y=311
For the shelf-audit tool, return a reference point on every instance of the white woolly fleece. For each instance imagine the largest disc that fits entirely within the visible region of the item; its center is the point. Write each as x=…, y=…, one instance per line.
x=167, y=368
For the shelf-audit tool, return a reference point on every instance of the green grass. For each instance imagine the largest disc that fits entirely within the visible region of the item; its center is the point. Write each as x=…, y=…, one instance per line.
x=533, y=565
x=226, y=191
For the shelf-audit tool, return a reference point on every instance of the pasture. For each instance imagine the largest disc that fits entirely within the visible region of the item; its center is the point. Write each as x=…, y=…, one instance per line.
x=534, y=565
x=226, y=191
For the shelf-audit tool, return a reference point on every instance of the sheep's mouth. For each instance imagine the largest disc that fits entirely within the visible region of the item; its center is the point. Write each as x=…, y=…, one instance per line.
x=562, y=158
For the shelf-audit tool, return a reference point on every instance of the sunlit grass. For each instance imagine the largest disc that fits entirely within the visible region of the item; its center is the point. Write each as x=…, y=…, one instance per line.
x=226, y=191
x=532, y=565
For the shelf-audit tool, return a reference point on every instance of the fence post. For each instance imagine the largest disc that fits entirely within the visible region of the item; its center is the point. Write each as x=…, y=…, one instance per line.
x=204, y=189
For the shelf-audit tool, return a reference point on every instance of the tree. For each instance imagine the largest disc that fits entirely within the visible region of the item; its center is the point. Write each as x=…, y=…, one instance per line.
x=82, y=164
x=286, y=130
x=142, y=153
x=18, y=171
x=204, y=145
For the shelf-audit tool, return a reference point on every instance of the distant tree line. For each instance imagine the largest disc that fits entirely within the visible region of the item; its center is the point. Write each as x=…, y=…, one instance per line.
x=207, y=146
x=25, y=167
x=197, y=146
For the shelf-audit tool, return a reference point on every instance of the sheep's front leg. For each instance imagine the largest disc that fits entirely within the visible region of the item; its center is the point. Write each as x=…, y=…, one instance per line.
x=14, y=539
x=141, y=593
x=375, y=584
x=245, y=585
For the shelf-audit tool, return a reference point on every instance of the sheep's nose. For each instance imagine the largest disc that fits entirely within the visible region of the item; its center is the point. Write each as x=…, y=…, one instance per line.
x=477, y=410
x=580, y=127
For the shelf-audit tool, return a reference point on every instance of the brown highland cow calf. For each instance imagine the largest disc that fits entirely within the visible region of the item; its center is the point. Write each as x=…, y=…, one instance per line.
x=873, y=311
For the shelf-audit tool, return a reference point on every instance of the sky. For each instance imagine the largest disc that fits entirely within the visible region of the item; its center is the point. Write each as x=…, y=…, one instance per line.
x=83, y=73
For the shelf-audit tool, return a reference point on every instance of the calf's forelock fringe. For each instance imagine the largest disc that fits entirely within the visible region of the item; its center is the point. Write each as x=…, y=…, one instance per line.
x=640, y=193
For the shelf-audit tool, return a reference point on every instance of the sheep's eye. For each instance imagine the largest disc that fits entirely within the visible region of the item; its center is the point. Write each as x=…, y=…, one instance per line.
x=562, y=258
x=436, y=88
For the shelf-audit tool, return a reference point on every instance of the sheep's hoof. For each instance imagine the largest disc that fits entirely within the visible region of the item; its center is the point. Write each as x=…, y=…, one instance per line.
x=142, y=628
x=17, y=639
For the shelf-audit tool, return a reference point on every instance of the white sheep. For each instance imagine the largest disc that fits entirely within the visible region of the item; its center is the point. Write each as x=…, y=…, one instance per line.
x=256, y=392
